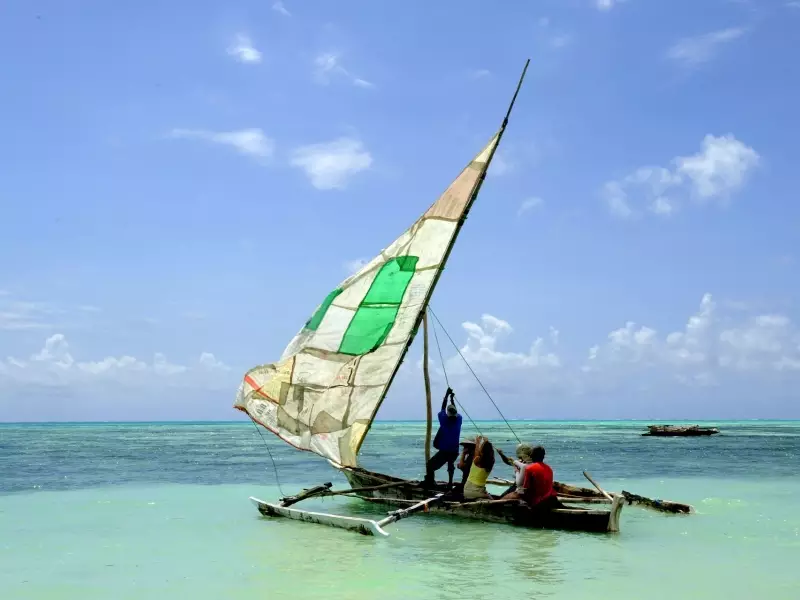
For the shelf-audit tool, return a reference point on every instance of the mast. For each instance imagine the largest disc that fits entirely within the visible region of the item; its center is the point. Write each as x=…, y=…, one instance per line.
x=422, y=318
x=429, y=411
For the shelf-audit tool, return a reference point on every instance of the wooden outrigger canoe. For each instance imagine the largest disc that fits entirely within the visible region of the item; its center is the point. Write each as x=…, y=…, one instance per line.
x=679, y=430
x=512, y=512
x=409, y=497
x=324, y=393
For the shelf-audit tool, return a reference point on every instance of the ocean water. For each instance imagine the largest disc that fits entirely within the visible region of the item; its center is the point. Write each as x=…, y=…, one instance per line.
x=159, y=509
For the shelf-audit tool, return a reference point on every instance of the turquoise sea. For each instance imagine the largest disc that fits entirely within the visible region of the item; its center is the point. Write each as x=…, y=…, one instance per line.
x=157, y=510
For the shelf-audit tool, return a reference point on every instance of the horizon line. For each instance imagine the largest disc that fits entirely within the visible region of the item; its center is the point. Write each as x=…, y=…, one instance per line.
x=244, y=421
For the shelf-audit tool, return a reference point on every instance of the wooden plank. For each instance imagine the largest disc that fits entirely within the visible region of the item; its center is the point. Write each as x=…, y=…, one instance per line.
x=309, y=493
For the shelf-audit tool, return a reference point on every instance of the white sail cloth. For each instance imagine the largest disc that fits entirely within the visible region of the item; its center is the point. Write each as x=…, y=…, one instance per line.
x=325, y=391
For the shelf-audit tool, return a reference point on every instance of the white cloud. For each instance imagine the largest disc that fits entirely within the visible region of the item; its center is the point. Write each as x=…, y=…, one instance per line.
x=54, y=364
x=707, y=347
x=111, y=365
x=616, y=198
x=662, y=206
x=251, y=142
x=331, y=165
x=480, y=73
x=16, y=315
x=243, y=50
x=355, y=265
x=763, y=342
x=556, y=41
x=481, y=351
x=529, y=204
x=501, y=164
x=163, y=367
x=280, y=8
x=717, y=171
x=714, y=348
x=55, y=352
x=328, y=65
x=693, y=51
x=15, y=321
x=720, y=168
x=561, y=40
x=209, y=361
x=606, y=5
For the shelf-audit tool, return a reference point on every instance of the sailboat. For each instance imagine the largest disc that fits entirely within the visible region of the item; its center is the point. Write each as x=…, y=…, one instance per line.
x=325, y=391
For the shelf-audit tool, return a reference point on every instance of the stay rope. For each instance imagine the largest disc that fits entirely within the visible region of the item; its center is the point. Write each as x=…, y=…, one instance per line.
x=274, y=466
x=475, y=375
x=447, y=381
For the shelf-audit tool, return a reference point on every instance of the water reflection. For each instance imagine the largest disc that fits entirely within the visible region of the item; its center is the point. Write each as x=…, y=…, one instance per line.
x=537, y=561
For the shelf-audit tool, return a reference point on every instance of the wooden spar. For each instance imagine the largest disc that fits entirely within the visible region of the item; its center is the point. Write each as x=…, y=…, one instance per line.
x=599, y=489
x=668, y=506
x=323, y=491
x=426, y=376
x=660, y=505
x=309, y=493
x=402, y=513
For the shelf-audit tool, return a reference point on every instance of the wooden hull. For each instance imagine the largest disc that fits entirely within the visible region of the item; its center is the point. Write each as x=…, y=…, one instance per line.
x=508, y=512
x=679, y=431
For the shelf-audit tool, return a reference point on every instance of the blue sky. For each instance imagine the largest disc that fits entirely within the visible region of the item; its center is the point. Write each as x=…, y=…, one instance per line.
x=183, y=182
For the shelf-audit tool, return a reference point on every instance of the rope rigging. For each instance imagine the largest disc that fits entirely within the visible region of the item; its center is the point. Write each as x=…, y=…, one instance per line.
x=447, y=381
x=488, y=395
x=274, y=466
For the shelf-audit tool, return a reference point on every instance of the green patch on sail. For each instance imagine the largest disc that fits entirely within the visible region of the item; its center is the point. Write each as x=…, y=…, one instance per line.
x=316, y=319
x=376, y=314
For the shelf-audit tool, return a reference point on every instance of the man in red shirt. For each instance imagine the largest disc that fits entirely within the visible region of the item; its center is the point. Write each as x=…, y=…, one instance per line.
x=536, y=484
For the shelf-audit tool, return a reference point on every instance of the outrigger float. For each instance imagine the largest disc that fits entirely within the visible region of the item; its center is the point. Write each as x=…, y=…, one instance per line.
x=324, y=393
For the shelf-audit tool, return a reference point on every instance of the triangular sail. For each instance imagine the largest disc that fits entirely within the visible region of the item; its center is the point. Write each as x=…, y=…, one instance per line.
x=324, y=392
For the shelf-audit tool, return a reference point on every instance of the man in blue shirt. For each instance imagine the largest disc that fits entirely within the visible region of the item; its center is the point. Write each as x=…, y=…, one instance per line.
x=446, y=440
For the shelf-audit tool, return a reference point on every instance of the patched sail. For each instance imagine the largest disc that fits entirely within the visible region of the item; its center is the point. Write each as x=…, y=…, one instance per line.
x=324, y=392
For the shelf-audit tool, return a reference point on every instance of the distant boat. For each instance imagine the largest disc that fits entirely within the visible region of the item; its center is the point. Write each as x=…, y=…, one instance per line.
x=680, y=430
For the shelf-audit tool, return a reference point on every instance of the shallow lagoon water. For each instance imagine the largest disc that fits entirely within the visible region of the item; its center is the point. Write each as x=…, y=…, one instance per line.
x=151, y=510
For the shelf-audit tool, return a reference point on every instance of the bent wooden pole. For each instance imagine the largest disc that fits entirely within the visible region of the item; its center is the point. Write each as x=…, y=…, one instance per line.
x=402, y=513
x=659, y=505
x=599, y=489
x=325, y=491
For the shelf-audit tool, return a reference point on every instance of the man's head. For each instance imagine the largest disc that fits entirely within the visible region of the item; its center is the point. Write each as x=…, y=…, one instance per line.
x=451, y=410
x=537, y=454
x=524, y=452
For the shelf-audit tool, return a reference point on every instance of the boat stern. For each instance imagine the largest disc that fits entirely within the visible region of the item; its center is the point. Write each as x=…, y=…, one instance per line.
x=614, y=513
